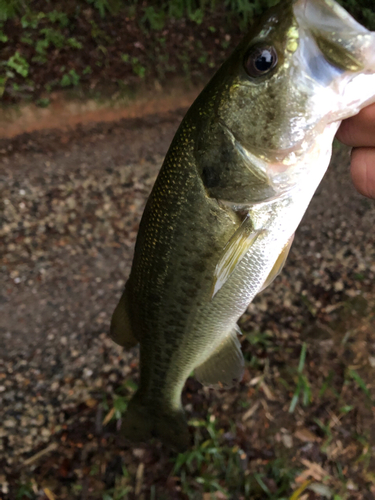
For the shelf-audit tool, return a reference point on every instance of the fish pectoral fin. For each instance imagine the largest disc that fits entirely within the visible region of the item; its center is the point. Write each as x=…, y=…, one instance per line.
x=279, y=264
x=233, y=253
x=225, y=366
x=121, y=331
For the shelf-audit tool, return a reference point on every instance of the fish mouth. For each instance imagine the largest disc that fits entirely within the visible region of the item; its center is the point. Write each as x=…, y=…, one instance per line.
x=337, y=54
x=346, y=44
x=327, y=14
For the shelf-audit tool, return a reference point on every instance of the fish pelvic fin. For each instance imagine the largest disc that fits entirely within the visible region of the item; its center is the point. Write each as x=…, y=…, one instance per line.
x=142, y=422
x=121, y=330
x=234, y=251
x=225, y=366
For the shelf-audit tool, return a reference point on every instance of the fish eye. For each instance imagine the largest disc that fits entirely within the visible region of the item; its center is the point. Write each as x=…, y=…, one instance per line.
x=260, y=60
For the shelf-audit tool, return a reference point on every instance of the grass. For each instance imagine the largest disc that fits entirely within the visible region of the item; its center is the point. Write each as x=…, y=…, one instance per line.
x=303, y=388
x=122, y=488
x=118, y=406
x=212, y=465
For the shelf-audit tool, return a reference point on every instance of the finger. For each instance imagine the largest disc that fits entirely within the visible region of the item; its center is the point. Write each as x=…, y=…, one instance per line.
x=359, y=130
x=363, y=171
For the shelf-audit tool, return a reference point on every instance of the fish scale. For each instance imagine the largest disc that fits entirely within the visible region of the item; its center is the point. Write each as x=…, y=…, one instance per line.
x=236, y=181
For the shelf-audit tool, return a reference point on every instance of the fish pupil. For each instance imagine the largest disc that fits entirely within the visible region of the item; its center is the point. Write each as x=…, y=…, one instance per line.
x=264, y=61
x=260, y=60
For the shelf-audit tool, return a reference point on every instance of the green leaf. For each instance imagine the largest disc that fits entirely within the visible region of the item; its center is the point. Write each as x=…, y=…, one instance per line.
x=43, y=103
x=259, y=480
x=302, y=358
x=361, y=383
x=65, y=81
x=74, y=43
x=19, y=64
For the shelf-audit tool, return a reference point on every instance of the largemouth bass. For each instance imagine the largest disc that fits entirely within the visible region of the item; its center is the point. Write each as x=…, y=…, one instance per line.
x=236, y=181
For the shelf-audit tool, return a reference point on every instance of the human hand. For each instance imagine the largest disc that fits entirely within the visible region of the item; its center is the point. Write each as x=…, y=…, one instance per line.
x=359, y=133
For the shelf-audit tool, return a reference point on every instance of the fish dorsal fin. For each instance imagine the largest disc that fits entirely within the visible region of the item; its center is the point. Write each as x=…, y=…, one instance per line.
x=121, y=331
x=225, y=366
x=279, y=264
x=233, y=253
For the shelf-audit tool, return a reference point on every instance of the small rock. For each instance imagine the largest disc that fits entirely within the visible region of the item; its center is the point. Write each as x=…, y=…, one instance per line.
x=10, y=423
x=339, y=286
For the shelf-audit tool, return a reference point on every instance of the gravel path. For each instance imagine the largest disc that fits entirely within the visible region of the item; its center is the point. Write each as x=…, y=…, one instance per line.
x=69, y=213
x=68, y=222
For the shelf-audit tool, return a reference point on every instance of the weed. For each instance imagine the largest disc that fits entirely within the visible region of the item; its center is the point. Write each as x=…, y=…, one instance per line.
x=121, y=489
x=53, y=37
x=259, y=338
x=3, y=37
x=19, y=64
x=259, y=480
x=303, y=385
x=43, y=103
x=196, y=16
x=106, y=6
x=176, y=9
x=155, y=18
x=346, y=409
x=25, y=490
x=58, y=17
x=244, y=9
x=212, y=465
x=9, y=9
x=326, y=429
x=120, y=405
x=225, y=44
x=366, y=455
x=362, y=10
x=27, y=39
x=98, y=34
x=203, y=451
x=3, y=80
x=309, y=305
x=71, y=78
x=77, y=488
x=326, y=384
x=72, y=42
x=94, y=470
x=120, y=401
x=360, y=382
x=32, y=19
x=137, y=67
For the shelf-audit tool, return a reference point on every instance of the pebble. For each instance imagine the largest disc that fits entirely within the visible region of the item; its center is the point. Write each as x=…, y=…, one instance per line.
x=65, y=259
x=10, y=422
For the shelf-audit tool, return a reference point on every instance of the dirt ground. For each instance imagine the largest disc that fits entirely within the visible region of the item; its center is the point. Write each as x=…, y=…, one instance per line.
x=300, y=424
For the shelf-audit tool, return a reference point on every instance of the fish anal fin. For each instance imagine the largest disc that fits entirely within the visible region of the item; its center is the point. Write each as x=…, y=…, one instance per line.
x=225, y=366
x=279, y=264
x=121, y=330
x=234, y=251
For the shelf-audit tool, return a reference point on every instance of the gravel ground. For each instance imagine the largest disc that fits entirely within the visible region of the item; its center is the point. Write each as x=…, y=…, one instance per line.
x=69, y=213
x=69, y=218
